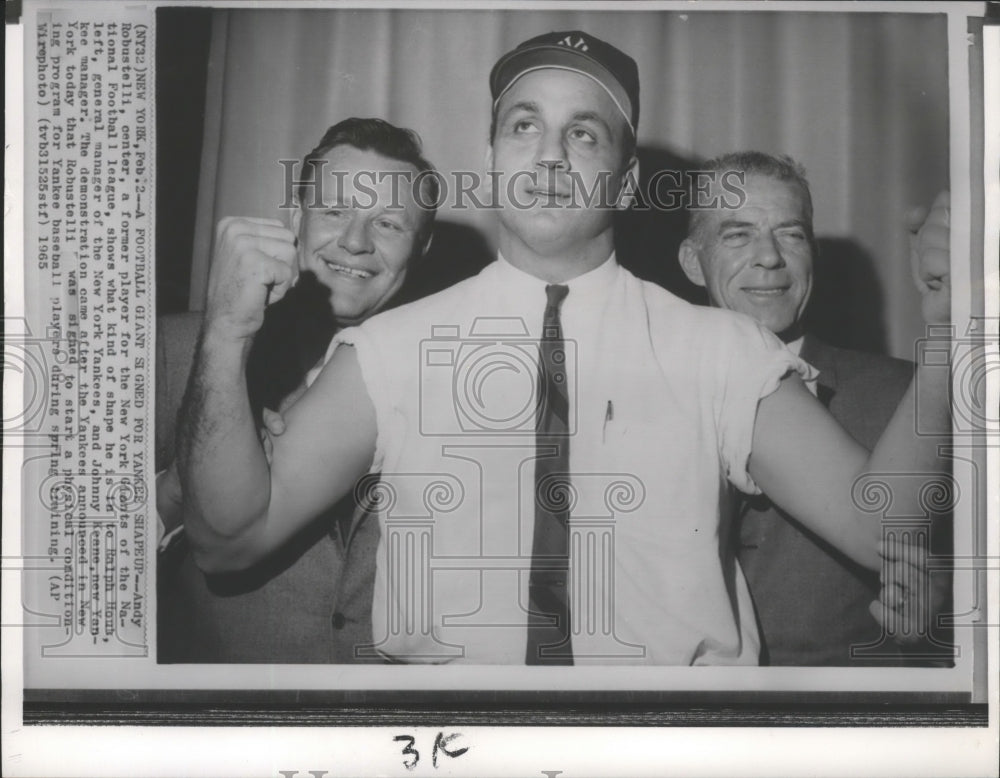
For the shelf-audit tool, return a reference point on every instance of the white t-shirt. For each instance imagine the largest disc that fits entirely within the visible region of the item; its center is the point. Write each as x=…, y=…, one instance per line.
x=663, y=397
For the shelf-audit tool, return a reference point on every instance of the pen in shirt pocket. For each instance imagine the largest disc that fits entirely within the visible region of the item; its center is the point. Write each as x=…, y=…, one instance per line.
x=609, y=415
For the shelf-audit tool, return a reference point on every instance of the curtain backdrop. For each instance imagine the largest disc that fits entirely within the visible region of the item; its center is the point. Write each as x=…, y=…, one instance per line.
x=860, y=99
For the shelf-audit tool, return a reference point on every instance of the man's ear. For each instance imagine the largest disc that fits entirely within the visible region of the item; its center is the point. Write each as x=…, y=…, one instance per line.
x=488, y=158
x=296, y=219
x=687, y=255
x=630, y=185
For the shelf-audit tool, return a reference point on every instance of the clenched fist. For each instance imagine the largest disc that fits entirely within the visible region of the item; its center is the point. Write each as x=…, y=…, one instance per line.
x=930, y=255
x=254, y=265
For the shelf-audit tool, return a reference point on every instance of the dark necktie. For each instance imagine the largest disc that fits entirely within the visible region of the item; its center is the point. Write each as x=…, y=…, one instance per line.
x=548, y=620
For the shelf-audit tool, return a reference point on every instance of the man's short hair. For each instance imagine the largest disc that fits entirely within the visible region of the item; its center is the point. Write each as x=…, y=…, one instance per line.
x=780, y=167
x=383, y=138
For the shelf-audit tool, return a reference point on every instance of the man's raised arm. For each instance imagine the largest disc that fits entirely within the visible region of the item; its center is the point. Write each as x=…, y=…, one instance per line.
x=238, y=508
x=808, y=465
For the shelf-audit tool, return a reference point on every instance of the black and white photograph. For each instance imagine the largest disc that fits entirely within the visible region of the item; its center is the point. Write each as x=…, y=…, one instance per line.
x=436, y=368
x=447, y=402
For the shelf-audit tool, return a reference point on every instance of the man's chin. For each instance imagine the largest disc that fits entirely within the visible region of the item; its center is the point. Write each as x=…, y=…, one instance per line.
x=778, y=323
x=551, y=233
x=787, y=330
x=347, y=311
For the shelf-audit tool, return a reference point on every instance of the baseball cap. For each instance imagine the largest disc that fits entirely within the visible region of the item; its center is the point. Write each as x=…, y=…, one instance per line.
x=579, y=52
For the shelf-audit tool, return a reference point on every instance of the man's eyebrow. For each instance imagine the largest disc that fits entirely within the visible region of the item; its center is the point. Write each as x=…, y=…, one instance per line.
x=591, y=116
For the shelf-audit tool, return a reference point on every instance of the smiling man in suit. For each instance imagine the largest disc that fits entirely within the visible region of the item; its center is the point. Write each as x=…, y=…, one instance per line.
x=355, y=239
x=812, y=601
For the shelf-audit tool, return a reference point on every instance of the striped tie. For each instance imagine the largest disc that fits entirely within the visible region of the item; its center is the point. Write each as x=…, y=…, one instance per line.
x=548, y=619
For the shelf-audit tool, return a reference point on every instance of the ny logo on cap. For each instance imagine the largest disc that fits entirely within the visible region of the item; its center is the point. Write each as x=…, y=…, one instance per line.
x=580, y=43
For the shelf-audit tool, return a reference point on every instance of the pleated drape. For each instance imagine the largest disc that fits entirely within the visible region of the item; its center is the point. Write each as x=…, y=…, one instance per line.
x=860, y=99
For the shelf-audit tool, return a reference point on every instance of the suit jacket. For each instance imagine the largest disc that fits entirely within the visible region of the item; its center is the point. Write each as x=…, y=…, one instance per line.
x=811, y=600
x=308, y=603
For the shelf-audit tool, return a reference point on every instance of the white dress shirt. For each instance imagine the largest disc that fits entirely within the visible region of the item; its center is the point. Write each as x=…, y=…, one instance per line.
x=663, y=397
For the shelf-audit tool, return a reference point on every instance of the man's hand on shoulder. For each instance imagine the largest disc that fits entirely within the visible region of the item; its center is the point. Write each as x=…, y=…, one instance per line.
x=930, y=257
x=253, y=265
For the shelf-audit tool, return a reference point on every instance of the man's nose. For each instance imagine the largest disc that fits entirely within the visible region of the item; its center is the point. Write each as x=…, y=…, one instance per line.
x=552, y=152
x=768, y=253
x=355, y=238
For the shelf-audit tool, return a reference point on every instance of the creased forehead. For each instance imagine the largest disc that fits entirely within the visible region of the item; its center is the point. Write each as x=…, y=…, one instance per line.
x=735, y=195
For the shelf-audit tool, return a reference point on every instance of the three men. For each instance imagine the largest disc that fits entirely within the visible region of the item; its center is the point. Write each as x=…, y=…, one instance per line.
x=310, y=601
x=812, y=601
x=608, y=492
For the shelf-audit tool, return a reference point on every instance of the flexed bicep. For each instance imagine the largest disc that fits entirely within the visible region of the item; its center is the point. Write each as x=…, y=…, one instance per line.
x=328, y=444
